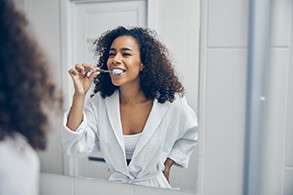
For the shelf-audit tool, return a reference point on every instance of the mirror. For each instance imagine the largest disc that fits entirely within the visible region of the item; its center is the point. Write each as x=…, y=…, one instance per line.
x=80, y=22
x=88, y=20
x=222, y=92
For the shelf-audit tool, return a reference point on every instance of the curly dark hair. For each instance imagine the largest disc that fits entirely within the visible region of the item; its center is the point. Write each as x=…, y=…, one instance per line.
x=25, y=85
x=158, y=78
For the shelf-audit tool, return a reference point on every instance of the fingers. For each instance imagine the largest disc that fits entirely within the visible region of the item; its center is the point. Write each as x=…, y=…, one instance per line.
x=72, y=72
x=76, y=70
x=90, y=70
x=82, y=69
x=88, y=67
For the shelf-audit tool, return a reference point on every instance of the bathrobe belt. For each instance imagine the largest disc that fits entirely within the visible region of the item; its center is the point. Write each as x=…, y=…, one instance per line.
x=116, y=176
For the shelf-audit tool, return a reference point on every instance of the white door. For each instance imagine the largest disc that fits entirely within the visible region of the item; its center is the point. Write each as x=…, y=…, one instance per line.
x=88, y=20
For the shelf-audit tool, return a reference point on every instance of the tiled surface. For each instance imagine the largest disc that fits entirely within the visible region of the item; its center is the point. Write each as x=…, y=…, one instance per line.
x=281, y=22
x=224, y=121
x=227, y=23
x=275, y=122
x=277, y=168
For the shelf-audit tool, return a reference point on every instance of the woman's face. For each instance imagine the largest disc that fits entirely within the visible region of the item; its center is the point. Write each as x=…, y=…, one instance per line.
x=124, y=54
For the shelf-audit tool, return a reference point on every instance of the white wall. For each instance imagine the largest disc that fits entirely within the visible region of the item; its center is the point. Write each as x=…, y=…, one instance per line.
x=178, y=24
x=277, y=159
x=222, y=99
x=222, y=95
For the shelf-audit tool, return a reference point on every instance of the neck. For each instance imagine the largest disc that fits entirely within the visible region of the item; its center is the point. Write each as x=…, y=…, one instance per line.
x=131, y=96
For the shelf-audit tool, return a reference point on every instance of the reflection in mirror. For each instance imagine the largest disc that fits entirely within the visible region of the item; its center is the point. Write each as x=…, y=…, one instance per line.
x=82, y=21
x=88, y=20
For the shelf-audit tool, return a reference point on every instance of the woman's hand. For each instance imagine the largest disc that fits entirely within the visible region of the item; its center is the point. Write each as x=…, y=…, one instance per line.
x=168, y=164
x=82, y=76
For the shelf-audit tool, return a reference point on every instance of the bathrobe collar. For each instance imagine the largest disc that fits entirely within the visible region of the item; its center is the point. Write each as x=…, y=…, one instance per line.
x=113, y=112
x=155, y=117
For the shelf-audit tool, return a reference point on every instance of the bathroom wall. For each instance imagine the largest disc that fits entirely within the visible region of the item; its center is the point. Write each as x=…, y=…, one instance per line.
x=184, y=48
x=277, y=156
x=223, y=92
x=223, y=62
x=180, y=32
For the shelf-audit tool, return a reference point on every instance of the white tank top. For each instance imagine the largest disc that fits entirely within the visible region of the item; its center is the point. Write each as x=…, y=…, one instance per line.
x=130, y=142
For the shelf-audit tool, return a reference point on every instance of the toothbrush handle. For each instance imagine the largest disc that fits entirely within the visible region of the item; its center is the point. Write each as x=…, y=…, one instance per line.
x=103, y=71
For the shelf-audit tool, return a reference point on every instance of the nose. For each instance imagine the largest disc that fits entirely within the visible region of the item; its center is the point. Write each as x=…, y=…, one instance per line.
x=117, y=59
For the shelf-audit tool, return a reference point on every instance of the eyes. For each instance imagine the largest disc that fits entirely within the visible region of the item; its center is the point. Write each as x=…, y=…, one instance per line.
x=124, y=54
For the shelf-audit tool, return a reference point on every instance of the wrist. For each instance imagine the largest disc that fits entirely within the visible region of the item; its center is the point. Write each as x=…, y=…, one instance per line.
x=78, y=96
x=78, y=99
x=169, y=162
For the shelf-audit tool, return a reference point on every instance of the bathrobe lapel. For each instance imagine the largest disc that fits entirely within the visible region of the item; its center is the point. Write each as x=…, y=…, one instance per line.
x=157, y=113
x=113, y=111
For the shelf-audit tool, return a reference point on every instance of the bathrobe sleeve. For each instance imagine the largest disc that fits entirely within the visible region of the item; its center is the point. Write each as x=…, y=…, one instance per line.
x=85, y=139
x=187, y=134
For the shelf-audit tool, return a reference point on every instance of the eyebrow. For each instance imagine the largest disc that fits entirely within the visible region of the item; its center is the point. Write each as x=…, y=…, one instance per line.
x=123, y=49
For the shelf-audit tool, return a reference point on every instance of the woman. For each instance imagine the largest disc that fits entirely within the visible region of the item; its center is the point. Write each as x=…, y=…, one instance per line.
x=25, y=87
x=139, y=119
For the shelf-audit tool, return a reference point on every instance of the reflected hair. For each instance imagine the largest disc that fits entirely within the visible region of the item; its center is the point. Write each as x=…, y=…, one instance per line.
x=158, y=79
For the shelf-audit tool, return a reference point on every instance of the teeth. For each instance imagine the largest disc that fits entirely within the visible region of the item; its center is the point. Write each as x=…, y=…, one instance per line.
x=117, y=71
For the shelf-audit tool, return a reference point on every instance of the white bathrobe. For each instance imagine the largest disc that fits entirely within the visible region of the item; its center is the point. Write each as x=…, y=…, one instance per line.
x=170, y=131
x=19, y=167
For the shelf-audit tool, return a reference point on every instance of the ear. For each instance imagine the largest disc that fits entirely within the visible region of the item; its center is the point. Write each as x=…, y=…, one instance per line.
x=141, y=67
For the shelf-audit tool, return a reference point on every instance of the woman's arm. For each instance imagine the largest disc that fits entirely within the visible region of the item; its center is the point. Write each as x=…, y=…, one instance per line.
x=82, y=83
x=76, y=111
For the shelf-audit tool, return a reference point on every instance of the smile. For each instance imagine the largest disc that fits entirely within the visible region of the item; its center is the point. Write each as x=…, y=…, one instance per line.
x=116, y=71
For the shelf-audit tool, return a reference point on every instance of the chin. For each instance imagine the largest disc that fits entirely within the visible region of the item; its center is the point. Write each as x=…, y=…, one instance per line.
x=116, y=84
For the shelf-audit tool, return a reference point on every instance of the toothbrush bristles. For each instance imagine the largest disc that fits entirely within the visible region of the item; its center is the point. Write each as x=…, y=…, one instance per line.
x=114, y=71
x=117, y=71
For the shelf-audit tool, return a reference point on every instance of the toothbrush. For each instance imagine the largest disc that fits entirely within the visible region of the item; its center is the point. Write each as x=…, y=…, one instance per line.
x=114, y=71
